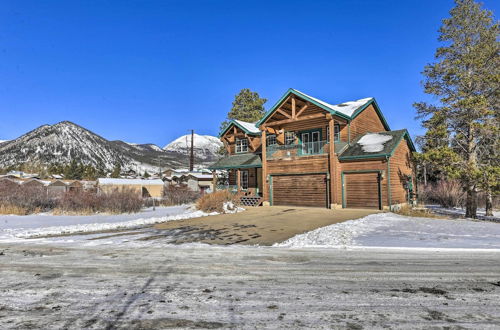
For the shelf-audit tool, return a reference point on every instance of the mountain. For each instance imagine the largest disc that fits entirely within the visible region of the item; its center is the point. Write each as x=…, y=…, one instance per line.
x=206, y=147
x=65, y=141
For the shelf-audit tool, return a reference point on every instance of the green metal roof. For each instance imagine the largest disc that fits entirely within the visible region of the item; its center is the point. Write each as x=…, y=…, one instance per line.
x=247, y=160
x=356, y=150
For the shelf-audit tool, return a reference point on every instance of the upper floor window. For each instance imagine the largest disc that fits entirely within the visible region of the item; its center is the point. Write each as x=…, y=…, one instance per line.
x=289, y=137
x=241, y=145
x=271, y=139
x=336, y=134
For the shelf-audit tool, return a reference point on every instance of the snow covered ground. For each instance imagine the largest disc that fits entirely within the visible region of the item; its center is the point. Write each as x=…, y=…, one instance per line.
x=392, y=230
x=456, y=211
x=116, y=287
x=15, y=228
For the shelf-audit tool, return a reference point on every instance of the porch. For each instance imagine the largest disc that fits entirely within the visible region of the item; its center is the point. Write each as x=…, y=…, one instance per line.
x=242, y=175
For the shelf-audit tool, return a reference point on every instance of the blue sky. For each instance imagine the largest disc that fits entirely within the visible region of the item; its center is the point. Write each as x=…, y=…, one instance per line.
x=147, y=71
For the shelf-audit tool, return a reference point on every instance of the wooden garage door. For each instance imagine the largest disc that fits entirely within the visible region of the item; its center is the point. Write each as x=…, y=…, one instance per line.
x=300, y=190
x=362, y=190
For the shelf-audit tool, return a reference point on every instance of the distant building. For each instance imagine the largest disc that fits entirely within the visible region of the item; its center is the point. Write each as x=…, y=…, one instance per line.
x=144, y=188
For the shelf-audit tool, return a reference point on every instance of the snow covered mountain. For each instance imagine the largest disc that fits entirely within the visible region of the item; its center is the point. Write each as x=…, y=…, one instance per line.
x=65, y=141
x=206, y=147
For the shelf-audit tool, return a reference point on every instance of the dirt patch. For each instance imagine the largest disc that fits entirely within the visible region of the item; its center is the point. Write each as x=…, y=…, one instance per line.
x=261, y=225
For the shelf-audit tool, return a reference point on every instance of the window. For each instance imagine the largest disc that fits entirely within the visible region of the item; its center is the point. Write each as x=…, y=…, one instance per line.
x=336, y=136
x=271, y=140
x=241, y=145
x=244, y=179
x=289, y=137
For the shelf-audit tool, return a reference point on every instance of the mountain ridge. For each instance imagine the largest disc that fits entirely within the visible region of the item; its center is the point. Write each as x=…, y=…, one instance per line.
x=66, y=141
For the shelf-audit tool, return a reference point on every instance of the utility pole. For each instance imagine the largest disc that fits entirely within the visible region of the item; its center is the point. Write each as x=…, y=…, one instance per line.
x=191, y=156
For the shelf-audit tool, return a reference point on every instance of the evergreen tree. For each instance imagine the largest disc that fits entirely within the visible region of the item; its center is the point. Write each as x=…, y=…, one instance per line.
x=73, y=171
x=146, y=174
x=465, y=80
x=247, y=106
x=116, y=171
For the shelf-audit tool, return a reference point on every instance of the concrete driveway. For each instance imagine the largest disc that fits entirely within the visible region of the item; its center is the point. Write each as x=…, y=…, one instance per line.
x=259, y=225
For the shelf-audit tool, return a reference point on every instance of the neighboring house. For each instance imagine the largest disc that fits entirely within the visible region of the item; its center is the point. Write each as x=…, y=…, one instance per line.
x=201, y=181
x=320, y=154
x=144, y=188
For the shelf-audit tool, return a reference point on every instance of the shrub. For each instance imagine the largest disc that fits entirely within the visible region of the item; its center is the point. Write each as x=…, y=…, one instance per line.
x=177, y=195
x=24, y=199
x=116, y=201
x=447, y=193
x=214, y=202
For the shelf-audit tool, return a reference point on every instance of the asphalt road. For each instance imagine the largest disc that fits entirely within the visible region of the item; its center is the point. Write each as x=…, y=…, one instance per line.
x=53, y=287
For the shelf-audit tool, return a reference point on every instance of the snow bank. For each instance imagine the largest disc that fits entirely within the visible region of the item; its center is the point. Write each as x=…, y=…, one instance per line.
x=392, y=230
x=374, y=142
x=94, y=227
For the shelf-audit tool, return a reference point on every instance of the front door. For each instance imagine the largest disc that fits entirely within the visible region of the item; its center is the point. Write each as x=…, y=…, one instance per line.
x=244, y=179
x=310, y=142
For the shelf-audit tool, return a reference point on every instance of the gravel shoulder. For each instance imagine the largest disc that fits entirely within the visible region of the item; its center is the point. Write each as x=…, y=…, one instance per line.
x=190, y=286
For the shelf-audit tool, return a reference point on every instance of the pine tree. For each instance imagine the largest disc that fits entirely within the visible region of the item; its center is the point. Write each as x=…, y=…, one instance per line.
x=465, y=80
x=247, y=106
x=116, y=171
x=146, y=174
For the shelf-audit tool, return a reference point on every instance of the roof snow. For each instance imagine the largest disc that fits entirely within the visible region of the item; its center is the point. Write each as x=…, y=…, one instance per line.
x=373, y=142
x=347, y=108
x=141, y=182
x=248, y=126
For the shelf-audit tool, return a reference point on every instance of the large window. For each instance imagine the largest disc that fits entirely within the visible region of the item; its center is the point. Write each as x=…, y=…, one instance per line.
x=336, y=136
x=271, y=140
x=289, y=137
x=241, y=145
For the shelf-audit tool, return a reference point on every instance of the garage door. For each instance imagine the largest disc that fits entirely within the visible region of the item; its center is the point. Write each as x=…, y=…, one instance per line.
x=300, y=190
x=362, y=190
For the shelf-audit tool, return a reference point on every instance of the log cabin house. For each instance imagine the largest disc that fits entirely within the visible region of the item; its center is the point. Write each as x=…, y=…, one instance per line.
x=306, y=152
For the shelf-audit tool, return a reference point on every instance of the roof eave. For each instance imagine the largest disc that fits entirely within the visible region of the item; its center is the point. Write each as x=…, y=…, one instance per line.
x=232, y=122
x=298, y=93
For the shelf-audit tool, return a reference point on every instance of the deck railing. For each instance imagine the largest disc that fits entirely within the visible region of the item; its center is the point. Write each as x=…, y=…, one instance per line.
x=302, y=149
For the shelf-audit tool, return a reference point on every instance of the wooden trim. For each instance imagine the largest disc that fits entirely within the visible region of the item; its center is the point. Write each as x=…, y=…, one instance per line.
x=283, y=113
x=333, y=169
x=238, y=179
x=265, y=192
x=293, y=107
x=302, y=110
x=286, y=121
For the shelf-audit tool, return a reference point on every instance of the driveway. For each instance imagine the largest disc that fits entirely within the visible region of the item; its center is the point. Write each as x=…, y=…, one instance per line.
x=259, y=225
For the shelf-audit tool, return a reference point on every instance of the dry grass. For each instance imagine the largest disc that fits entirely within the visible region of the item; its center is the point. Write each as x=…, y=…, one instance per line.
x=13, y=209
x=419, y=212
x=214, y=202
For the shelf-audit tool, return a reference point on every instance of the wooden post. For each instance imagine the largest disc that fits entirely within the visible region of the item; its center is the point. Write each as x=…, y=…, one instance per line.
x=214, y=181
x=333, y=160
x=265, y=184
x=293, y=107
x=238, y=179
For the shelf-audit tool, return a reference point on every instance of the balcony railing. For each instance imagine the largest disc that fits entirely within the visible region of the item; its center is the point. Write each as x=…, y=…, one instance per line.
x=292, y=150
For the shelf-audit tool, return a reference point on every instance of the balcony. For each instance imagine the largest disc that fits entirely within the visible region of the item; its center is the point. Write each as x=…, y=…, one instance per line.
x=278, y=151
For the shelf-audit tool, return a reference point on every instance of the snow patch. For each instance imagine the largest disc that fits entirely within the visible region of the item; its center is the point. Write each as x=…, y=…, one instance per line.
x=392, y=230
x=96, y=227
x=347, y=108
x=248, y=126
x=374, y=142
